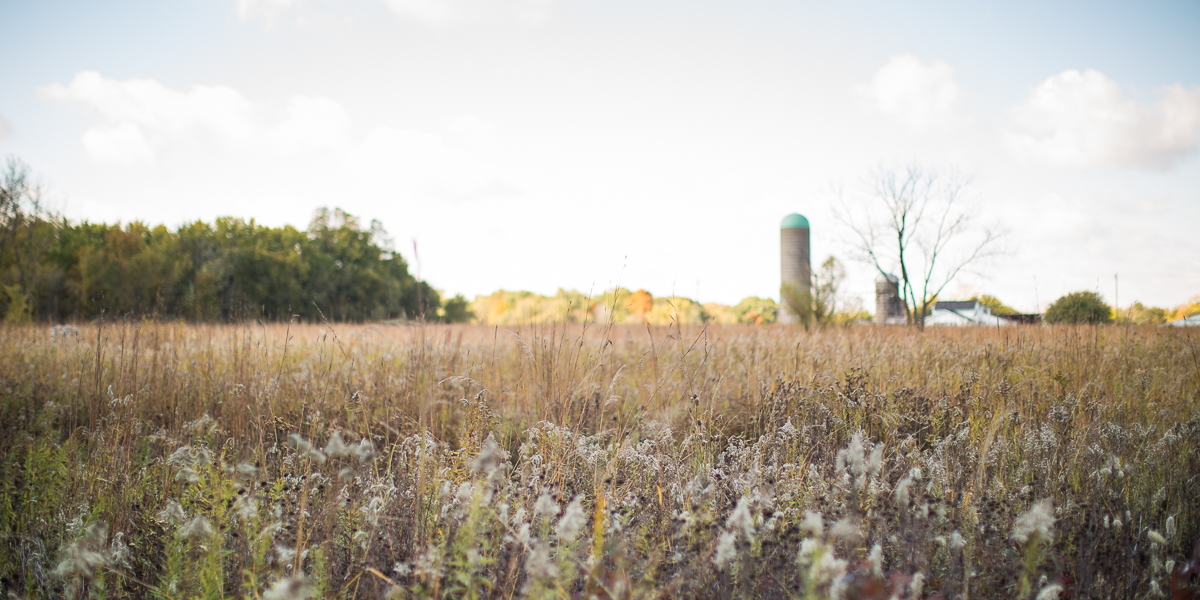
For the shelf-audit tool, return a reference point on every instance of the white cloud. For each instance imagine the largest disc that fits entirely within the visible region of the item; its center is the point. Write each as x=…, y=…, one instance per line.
x=215, y=128
x=1084, y=119
x=143, y=118
x=267, y=9
x=428, y=12
x=918, y=94
x=446, y=12
x=120, y=144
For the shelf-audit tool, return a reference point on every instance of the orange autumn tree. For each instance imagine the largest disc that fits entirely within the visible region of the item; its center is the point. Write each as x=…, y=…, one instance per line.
x=640, y=303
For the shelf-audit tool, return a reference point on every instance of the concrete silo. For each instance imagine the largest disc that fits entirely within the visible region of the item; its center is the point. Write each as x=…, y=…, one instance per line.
x=794, y=259
x=889, y=306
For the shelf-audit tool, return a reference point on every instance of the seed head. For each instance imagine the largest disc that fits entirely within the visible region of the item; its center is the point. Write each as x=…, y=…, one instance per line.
x=1035, y=524
x=726, y=549
x=292, y=588
x=197, y=527
x=545, y=507
x=572, y=521
x=741, y=519
x=813, y=523
x=1050, y=592
x=845, y=529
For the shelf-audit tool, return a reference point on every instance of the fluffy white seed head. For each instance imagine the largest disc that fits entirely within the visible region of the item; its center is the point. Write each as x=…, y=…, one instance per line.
x=292, y=588
x=198, y=527
x=813, y=523
x=171, y=514
x=741, y=519
x=916, y=586
x=545, y=507
x=876, y=560
x=1036, y=524
x=902, y=492
x=572, y=520
x=845, y=529
x=1050, y=592
x=726, y=550
x=875, y=464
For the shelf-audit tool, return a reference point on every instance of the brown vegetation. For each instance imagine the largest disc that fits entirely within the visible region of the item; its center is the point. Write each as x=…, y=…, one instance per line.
x=146, y=459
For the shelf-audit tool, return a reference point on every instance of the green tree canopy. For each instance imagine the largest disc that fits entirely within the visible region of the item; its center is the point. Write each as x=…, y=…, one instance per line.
x=994, y=303
x=339, y=269
x=1079, y=307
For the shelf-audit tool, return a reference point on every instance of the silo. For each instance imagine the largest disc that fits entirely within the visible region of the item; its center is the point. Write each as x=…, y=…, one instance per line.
x=888, y=304
x=796, y=268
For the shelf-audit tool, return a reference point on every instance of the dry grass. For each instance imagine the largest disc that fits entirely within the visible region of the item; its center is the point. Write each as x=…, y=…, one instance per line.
x=165, y=460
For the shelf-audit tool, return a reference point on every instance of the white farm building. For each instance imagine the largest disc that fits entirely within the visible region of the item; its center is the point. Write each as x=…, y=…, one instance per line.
x=964, y=312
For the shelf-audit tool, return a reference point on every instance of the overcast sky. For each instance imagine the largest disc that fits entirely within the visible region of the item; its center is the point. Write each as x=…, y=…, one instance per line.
x=538, y=144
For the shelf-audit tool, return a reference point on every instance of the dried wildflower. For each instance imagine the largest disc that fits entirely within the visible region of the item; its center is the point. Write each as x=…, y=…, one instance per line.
x=876, y=560
x=1036, y=524
x=198, y=527
x=181, y=456
x=80, y=560
x=1157, y=538
x=813, y=523
x=827, y=567
x=902, y=492
x=726, y=549
x=490, y=456
x=1050, y=592
x=539, y=565
x=957, y=541
x=292, y=588
x=572, y=520
x=364, y=451
x=171, y=514
x=916, y=586
x=875, y=464
x=741, y=519
x=246, y=508
x=336, y=448
x=1170, y=528
x=305, y=448
x=545, y=507
x=845, y=529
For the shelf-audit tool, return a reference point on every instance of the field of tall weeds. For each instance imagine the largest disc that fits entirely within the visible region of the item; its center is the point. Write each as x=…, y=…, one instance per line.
x=144, y=459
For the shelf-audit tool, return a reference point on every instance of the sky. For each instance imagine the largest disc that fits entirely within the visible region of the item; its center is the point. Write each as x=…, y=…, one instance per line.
x=545, y=144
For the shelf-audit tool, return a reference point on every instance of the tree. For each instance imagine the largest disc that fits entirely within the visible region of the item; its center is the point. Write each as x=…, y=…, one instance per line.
x=457, y=310
x=817, y=306
x=917, y=220
x=994, y=303
x=1139, y=314
x=1187, y=309
x=1079, y=307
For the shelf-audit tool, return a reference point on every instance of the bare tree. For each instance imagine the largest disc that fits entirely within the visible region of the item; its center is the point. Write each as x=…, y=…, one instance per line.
x=917, y=220
x=818, y=305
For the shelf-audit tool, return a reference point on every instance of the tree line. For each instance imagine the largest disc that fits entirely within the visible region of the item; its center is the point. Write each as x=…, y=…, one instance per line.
x=55, y=269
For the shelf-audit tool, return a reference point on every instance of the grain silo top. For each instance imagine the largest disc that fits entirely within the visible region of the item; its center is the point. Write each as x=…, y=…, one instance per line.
x=794, y=221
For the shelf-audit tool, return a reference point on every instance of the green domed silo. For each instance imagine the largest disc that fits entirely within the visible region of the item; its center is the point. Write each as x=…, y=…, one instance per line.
x=794, y=260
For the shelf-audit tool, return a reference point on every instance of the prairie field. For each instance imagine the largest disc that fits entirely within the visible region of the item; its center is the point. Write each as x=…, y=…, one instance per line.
x=143, y=459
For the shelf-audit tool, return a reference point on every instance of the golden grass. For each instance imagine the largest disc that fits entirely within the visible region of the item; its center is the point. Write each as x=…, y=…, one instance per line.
x=660, y=432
